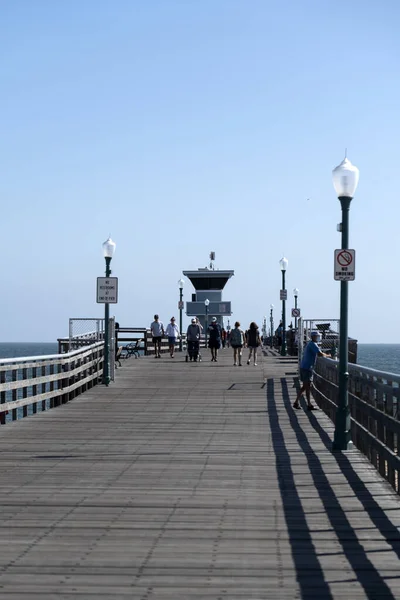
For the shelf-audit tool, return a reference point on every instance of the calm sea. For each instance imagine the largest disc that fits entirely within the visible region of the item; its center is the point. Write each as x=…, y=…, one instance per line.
x=16, y=349
x=384, y=357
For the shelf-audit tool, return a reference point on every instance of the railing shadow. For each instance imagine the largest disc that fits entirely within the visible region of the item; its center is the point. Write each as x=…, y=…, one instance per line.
x=369, y=578
x=377, y=516
x=310, y=574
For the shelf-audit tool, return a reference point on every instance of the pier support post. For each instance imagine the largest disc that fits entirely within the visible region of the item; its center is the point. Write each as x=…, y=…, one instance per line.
x=271, y=320
x=284, y=263
x=180, y=283
x=345, y=181
x=108, y=251
x=342, y=436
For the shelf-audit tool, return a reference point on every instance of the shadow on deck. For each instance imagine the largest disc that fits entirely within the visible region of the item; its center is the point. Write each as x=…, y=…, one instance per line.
x=192, y=481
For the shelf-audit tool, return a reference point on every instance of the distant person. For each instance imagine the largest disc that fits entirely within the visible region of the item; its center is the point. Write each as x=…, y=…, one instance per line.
x=307, y=364
x=172, y=333
x=157, y=331
x=237, y=339
x=214, y=338
x=193, y=339
x=253, y=341
x=279, y=334
x=116, y=339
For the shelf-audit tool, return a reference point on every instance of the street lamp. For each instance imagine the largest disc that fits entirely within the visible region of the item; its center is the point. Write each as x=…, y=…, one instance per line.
x=206, y=304
x=345, y=181
x=180, y=285
x=295, y=293
x=264, y=330
x=271, y=320
x=283, y=263
x=108, y=253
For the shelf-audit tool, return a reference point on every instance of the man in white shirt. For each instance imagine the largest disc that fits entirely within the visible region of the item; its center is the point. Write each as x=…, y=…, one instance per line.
x=172, y=332
x=157, y=331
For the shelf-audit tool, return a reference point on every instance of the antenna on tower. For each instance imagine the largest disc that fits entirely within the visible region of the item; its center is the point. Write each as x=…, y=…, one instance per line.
x=212, y=258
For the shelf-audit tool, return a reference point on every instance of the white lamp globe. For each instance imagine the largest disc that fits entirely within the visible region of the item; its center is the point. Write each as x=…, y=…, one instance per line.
x=109, y=248
x=283, y=263
x=345, y=179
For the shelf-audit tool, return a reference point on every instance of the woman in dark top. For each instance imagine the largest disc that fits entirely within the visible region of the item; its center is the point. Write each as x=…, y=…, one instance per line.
x=253, y=341
x=214, y=339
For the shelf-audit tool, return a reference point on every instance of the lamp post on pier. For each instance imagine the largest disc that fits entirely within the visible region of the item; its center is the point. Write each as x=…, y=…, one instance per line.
x=345, y=181
x=180, y=285
x=264, y=330
x=108, y=253
x=284, y=264
x=271, y=320
x=295, y=294
x=206, y=304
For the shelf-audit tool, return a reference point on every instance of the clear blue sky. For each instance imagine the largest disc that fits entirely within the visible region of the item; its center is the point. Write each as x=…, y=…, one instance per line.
x=182, y=127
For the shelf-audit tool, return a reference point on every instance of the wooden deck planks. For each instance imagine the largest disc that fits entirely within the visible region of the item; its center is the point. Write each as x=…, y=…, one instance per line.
x=186, y=480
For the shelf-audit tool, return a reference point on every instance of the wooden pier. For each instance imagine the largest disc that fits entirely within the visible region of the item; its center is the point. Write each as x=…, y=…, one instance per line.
x=192, y=481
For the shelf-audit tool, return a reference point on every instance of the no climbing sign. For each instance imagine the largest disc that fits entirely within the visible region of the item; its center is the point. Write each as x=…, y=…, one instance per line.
x=345, y=265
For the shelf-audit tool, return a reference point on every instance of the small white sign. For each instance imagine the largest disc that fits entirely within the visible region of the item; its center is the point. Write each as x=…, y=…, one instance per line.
x=345, y=265
x=295, y=312
x=283, y=295
x=180, y=305
x=107, y=290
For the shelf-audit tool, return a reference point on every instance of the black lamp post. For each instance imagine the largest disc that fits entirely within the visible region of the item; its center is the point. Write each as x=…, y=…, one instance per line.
x=180, y=284
x=295, y=293
x=108, y=252
x=271, y=320
x=284, y=264
x=206, y=304
x=345, y=181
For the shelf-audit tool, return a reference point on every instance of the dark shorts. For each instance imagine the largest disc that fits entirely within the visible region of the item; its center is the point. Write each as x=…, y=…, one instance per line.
x=237, y=346
x=171, y=341
x=157, y=339
x=214, y=344
x=306, y=375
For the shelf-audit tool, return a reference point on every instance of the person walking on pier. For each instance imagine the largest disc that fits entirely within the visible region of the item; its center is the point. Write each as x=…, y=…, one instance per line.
x=307, y=364
x=253, y=341
x=193, y=339
x=157, y=331
x=172, y=332
x=214, y=340
x=237, y=339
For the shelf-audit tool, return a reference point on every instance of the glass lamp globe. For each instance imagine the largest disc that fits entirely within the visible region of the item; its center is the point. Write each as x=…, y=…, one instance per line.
x=345, y=179
x=109, y=248
x=283, y=263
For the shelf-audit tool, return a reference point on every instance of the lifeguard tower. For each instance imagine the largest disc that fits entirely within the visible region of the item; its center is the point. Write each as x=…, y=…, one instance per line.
x=209, y=283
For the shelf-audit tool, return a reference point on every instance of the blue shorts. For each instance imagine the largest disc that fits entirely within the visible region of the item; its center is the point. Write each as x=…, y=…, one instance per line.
x=171, y=341
x=306, y=375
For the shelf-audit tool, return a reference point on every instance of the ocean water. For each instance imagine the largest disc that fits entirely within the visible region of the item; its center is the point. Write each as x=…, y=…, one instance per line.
x=17, y=349
x=383, y=357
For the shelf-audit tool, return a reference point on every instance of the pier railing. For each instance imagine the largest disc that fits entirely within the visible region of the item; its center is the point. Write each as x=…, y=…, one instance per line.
x=37, y=383
x=374, y=406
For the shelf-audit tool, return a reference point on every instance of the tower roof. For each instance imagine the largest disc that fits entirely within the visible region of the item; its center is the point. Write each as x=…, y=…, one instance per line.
x=208, y=279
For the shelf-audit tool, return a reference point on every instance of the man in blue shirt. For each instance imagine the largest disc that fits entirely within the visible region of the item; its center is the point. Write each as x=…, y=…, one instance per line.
x=306, y=370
